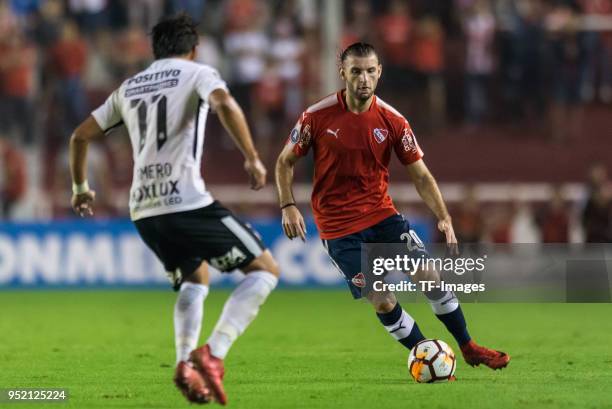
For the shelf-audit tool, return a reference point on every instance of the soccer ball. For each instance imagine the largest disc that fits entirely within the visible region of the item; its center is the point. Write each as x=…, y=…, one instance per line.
x=431, y=360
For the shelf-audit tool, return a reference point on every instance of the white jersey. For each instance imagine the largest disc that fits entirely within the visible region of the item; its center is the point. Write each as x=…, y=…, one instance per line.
x=164, y=109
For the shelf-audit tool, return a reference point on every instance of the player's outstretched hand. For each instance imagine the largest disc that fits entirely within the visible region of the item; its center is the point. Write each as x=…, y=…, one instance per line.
x=257, y=173
x=446, y=227
x=293, y=223
x=83, y=203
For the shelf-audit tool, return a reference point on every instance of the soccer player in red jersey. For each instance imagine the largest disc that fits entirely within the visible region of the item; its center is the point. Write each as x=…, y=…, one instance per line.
x=353, y=134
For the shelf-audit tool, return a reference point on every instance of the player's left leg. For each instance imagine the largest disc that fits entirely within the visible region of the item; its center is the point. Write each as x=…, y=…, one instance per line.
x=188, y=315
x=447, y=309
x=398, y=323
x=445, y=306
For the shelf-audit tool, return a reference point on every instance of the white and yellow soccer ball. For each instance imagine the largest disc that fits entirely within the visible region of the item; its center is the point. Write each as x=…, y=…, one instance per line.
x=432, y=360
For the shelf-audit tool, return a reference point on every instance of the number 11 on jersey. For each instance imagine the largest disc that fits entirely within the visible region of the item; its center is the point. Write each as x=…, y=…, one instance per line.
x=141, y=105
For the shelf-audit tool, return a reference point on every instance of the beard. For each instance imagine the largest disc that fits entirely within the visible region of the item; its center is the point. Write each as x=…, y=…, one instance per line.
x=363, y=95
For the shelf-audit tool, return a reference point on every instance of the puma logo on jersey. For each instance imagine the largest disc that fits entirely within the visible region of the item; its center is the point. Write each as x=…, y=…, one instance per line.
x=335, y=133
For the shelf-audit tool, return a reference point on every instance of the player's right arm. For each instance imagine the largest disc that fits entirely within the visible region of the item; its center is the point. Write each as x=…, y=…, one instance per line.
x=101, y=120
x=293, y=222
x=82, y=196
x=234, y=122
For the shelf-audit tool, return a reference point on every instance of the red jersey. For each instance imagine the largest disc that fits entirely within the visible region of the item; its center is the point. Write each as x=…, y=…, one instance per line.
x=351, y=155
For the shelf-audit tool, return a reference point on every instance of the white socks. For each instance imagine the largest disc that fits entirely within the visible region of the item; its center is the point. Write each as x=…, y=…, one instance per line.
x=240, y=309
x=402, y=327
x=188, y=312
x=447, y=304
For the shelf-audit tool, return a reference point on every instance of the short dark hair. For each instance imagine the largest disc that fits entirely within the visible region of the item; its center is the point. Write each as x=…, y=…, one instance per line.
x=359, y=49
x=174, y=35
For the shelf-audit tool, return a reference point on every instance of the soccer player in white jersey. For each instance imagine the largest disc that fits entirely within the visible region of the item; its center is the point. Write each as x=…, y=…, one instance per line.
x=164, y=109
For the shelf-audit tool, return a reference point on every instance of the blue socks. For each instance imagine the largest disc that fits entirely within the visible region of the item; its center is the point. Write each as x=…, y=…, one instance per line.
x=404, y=329
x=447, y=309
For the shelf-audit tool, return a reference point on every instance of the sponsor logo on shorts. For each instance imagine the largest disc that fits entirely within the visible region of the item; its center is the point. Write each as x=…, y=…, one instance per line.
x=359, y=280
x=380, y=134
x=175, y=277
x=229, y=260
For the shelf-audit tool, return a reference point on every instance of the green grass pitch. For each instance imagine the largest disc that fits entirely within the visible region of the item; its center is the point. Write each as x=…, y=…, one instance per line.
x=307, y=349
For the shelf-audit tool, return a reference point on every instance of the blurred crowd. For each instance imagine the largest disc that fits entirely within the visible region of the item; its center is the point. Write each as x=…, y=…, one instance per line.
x=465, y=60
x=473, y=61
x=555, y=221
x=466, y=63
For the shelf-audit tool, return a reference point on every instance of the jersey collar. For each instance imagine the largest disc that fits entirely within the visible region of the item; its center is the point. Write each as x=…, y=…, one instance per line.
x=340, y=96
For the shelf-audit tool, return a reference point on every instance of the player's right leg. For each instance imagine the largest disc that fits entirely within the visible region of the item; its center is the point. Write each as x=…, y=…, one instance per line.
x=398, y=323
x=345, y=253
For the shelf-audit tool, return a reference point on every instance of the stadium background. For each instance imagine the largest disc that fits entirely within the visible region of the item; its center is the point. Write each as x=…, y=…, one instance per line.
x=510, y=100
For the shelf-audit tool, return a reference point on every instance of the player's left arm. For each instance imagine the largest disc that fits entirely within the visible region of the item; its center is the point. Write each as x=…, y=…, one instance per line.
x=429, y=191
x=82, y=196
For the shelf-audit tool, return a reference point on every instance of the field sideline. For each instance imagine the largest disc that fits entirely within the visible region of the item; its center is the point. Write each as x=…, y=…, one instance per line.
x=307, y=349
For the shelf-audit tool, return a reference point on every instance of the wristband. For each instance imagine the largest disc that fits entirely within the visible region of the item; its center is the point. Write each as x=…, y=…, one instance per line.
x=80, y=188
x=288, y=204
